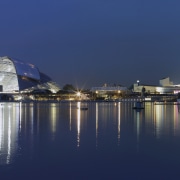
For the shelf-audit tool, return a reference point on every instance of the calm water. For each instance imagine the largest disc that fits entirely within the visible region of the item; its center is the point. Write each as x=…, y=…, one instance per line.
x=107, y=141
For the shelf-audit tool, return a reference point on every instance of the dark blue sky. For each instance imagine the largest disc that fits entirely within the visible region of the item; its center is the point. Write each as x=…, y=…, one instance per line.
x=92, y=42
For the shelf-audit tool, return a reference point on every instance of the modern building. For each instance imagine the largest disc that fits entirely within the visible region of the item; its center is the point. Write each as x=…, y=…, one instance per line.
x=21, y=77
x=165, y=82
x=165, y=87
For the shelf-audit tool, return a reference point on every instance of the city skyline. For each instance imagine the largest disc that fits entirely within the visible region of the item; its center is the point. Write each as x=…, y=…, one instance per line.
x=92, y=43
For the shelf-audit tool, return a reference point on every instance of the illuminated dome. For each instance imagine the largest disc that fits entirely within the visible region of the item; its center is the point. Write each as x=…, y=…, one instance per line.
x=18, y=76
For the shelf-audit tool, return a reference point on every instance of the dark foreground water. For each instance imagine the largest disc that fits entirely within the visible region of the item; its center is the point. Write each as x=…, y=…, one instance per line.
x=107, y=141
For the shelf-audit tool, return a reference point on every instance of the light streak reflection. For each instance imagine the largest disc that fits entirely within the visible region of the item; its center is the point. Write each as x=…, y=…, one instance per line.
x=9, y=127
x=20, y=116
x=138, y=128
x=159, y=119
x=9, y=138
x=176, y=122
x=96, y=124
x=53, y=118
x=70, y=116
x=1, y=127
x=78, y=123
x=119, y=122
x=32, y=117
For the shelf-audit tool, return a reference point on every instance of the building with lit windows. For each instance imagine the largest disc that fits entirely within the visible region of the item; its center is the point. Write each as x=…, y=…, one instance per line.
x=21, y=77
x=109, y=92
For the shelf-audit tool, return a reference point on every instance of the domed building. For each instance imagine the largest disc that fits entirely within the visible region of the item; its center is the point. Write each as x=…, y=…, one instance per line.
x=18, y=76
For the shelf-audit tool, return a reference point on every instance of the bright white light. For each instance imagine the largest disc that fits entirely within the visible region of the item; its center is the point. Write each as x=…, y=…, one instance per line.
x=78, y=93
x=159, y=89
x=176, y=92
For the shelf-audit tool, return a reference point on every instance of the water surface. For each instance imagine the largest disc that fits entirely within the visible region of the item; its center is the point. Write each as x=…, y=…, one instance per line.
x=110, y=140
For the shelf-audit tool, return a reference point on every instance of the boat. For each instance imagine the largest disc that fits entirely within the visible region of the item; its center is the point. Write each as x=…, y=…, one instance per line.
x=84, y=108
x=138, y=105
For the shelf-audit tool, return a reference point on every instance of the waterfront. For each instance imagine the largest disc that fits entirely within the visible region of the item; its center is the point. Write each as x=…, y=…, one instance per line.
x=110, y=140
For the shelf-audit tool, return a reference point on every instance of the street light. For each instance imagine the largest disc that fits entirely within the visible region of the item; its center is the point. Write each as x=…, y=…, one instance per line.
x=138, y=82
x=78, y=94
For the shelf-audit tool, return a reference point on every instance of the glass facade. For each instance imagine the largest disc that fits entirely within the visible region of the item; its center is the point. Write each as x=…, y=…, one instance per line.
x=8, y=76
x=25, y=69
x=18, y=76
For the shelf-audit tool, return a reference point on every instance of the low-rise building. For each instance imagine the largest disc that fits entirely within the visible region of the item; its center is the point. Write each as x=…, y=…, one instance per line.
x=165, y=87
x=108, y=92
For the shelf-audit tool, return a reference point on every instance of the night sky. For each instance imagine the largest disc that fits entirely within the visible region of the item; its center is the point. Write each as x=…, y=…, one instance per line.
x=91, y=42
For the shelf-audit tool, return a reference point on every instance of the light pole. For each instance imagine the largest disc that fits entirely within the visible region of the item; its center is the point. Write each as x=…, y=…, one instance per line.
x=138, y=82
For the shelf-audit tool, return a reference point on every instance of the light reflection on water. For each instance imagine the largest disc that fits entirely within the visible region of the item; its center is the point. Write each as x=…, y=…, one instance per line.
x=9, y=127
x=78, y=123
x=25, y=128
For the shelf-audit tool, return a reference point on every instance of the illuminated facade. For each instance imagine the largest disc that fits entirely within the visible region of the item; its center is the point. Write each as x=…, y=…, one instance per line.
x=109, y=92
x=166, y=87
x=18, y=76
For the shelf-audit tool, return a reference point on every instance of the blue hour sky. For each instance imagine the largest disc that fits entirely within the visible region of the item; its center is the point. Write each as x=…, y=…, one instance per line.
x=91, y=42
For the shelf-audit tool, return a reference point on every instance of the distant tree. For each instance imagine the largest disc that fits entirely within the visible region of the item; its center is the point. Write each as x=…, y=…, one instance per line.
x=69, y=87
